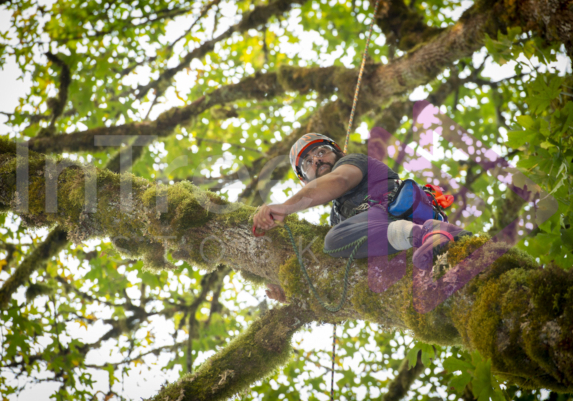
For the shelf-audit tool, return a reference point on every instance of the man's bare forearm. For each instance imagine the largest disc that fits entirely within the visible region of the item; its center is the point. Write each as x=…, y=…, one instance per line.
x=318, y=192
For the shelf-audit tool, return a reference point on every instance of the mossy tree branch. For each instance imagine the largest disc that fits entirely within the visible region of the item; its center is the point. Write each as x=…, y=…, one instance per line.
x=511, y=312
x=258, y=87
x=251, y=356
x=56, y=240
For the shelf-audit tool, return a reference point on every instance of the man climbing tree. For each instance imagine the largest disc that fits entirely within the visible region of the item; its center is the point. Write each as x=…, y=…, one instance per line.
x=177, y=116
x=357, y=183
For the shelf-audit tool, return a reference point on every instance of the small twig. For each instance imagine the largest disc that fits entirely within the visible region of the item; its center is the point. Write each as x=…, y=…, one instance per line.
x=239, y=146
x=151, y=107
x=265, y=47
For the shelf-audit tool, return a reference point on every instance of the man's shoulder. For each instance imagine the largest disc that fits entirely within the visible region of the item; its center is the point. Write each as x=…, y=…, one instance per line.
x=357, y=159
x=355, y=156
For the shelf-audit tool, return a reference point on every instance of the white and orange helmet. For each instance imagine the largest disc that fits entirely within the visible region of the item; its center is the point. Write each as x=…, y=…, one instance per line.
x=303, y=146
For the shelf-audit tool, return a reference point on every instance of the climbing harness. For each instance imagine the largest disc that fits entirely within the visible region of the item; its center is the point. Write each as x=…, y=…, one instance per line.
x=356, y=244
x=349, y=208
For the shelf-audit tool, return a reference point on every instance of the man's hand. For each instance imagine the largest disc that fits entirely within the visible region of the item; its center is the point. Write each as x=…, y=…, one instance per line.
x=276, y=292
x=317, y=192
x=268, y=216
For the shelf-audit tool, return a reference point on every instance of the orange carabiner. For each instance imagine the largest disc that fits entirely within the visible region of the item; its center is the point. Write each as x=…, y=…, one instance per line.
x=443, y=200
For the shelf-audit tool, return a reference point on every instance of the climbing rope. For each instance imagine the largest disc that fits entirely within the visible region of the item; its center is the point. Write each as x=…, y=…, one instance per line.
x=356, y=244
x=333, y=357
x=359, y=241
x=360, y=76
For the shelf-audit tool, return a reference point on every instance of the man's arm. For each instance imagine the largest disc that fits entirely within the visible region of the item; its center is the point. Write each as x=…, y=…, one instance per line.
x=317, y=192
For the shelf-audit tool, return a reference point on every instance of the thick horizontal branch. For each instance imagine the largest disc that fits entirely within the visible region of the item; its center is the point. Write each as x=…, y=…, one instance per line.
x=205, y=230
x=258, y=87
x=50, y=247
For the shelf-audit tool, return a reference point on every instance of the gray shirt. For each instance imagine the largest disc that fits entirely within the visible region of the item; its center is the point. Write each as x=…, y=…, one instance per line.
x=377, y=181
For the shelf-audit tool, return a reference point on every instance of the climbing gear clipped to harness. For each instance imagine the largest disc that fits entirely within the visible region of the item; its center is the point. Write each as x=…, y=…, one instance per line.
x=440, y=199
x=349, y=208
x=418, y=204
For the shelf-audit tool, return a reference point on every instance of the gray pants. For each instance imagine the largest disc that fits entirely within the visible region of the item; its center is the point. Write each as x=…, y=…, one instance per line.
x=373, y=223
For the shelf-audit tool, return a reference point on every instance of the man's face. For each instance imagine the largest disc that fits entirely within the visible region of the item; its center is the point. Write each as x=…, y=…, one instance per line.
x=319, y=161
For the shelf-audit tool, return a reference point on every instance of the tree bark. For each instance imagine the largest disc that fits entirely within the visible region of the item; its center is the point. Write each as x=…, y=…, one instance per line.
x=511, y=311
x=403, y=27
x=406, y=376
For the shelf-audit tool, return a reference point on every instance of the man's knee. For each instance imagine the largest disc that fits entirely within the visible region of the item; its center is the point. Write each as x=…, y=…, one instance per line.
x=332, y=239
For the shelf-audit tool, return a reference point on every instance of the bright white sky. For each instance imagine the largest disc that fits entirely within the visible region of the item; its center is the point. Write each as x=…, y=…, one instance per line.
x=147, y=383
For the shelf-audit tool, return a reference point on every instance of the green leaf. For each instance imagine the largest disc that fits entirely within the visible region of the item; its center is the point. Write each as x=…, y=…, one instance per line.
x=427, y=354
x=356, y=138
x=453, y=364
x=527, y=122
x=460, y=382
x=484, y=385
x=546, y=145
x=543, y=93
x=567, y=237
x=517, y=139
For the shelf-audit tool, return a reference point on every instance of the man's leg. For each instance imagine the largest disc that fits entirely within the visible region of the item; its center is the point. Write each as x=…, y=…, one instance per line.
x=385, y=237
x=373, y=223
